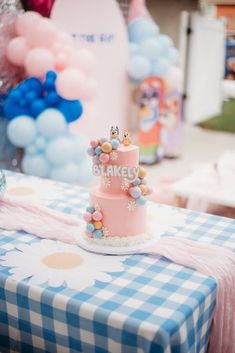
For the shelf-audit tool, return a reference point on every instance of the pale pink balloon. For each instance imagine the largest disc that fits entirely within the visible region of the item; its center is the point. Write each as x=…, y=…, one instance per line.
x=84, y=60
x=57, y=47
x=89, y=89
x=38, y=62
x=65, y=38
x=61, y=61
x=26, y=22
x=43, y=34
x=16, y=51
x=70, y=83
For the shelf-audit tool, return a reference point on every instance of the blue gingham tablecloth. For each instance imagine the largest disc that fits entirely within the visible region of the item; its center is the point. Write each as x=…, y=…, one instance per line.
x=152, y=305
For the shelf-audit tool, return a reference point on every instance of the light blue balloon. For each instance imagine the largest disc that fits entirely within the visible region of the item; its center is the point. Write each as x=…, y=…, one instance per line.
x=165, y=42
x=85, y=177
x=141, y=29
x=173, y=56
x=60, y=150
x=67, y=173
x=21, y=131
x=40, y=143
x=51, y=123
x=139, y=67
x=152, y=48
x=31, y=150
x=80, y=146
x=35, y=165
x=160, y=67
x=134, y=48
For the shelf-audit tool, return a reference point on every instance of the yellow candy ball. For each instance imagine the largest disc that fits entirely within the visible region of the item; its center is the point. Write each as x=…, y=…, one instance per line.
x=106, y=147
x=144, y=189
x=97, y=224
x=142, y=173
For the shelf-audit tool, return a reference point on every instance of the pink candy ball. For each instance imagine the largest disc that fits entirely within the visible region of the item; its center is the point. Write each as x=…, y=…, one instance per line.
x=87, y=216
x=90, y=235
x=38, y=61
x=94, y=143
x=43, y=34
x=17, y=50
x=70, y=83
x=97, y=216
x=104, y=158
x=26, y=22
x=135, y=192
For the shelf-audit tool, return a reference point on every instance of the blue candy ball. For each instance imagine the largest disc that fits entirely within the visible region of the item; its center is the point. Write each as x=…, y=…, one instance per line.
x=90, y=228
x=141, y=201
x=98, y=234
x=21, y=131
x=139, y=67
x=37, y=107
x=141, y=29
x=115, y=143
x=90, y=209
x=72, y=110
x=137, y=181
x=98, y=150
x=51, y=123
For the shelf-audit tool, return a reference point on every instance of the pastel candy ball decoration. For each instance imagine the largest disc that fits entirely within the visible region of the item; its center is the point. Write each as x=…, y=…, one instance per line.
x=98, y=225
x=98, y=150
x=91, y=151
x=90, y=228
x=142, y=173
x=104, y=158
x=51, y=123
x=137, y=181
x=97, y=234
x=90, y=209
x=94, y=143
x=21, y=131
x=87, y=217
x=141, y=201
x=38, y=61
x=115, y=143
x=16, y=51
x=106, y=147
x=135, y=192
x=89, y=235
x=144, y=189
x=97, y=216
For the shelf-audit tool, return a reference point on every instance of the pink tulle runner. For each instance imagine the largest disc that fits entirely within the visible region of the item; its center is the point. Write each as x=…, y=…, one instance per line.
x=210, y=260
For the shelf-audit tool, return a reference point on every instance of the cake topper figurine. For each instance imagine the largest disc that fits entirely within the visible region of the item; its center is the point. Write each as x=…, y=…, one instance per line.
x=114, y=133
x=126, y=138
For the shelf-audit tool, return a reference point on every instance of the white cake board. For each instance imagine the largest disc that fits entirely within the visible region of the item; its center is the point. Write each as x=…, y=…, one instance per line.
x=133, y=244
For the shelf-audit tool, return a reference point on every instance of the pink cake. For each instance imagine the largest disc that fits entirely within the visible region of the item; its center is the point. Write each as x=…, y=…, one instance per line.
x=118, y=204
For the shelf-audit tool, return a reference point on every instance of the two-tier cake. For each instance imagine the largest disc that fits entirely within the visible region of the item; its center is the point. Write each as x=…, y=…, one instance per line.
x=117, y=209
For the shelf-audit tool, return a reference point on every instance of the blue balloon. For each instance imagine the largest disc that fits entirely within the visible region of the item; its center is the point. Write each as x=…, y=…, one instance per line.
x=165, y=42
x=173, y=56
x=37, y=107
x=15, y=94
x=35, y=165
x=40, y=143
x=134, y=48
x=51, y=75
x=49, y=85
x=51, y=123
x=23, y=103
x=52, y=99
x=35, y=85
x=30, y=96
x=31, y=150
x=12, y=110
x=141, y=29
x=139, y=67
x=151, y=48
x=21, y=131
x=80, y=146
x=60, y=150
x=85, y=176
x=72, y=110
x=160, y=67
x=67, y=173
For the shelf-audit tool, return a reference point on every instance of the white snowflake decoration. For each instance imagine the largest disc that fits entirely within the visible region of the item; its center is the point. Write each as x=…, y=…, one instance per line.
x=131, y=206
x=106, y=182
x=97, y=207
x=113, y=156
x=105, y=231
x=125, y=184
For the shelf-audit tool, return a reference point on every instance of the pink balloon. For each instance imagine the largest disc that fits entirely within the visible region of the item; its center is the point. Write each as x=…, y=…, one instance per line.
x=65, y=38
x=43, y=34
x=26, y=22
x=89, y=89
x=17, y=50
x=70, y=83
x=84, y=60
x=61, y=61
x=39, y=61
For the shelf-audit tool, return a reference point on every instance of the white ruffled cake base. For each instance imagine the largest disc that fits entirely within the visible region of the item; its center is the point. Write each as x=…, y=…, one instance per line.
x=121, y=245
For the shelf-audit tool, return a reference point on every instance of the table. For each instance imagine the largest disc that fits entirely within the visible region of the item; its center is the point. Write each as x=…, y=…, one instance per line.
x=138, y=303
